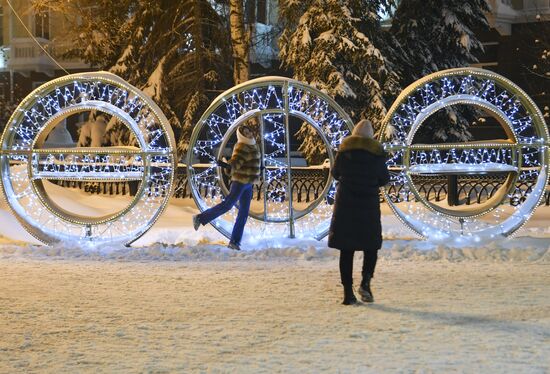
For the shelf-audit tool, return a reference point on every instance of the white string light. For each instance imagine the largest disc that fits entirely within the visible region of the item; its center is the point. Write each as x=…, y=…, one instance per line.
x=271, y=101
x=25, y=164
x=523, y=156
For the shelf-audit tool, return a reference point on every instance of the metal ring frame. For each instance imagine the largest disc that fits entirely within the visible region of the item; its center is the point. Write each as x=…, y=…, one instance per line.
x=523, y=124
x=37, y=183
x=511, y=143
x=20, y=157
x=23, y=168
x=261, y=98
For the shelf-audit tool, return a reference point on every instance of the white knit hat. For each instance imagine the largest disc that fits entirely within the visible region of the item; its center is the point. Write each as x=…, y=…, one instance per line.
x=364, y=129
x=244, y=139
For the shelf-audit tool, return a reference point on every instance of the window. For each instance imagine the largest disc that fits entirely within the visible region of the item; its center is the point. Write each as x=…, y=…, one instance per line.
x=261, y=12
x=256, y=11
x=42, y=25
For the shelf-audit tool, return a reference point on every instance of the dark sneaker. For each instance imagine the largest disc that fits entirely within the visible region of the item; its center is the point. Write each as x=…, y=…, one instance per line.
x=234, y=246
x=366, y=294
x=196, y=222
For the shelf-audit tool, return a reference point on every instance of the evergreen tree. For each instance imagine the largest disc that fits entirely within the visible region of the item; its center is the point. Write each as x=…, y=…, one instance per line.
x=334, y=46
x=175, y=51
x=437, y=35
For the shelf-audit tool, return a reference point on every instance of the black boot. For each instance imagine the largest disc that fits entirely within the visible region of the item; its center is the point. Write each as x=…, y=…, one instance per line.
x=349, y=296
x=365, y=291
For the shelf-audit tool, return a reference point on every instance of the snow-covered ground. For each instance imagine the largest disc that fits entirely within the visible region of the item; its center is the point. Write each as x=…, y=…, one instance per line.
x=179, y=301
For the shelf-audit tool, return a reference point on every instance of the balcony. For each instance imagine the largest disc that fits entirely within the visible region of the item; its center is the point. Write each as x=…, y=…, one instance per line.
x=532, y=8
x=26, y=56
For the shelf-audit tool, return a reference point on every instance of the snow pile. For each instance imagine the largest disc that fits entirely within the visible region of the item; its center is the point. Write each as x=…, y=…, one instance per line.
x=512, y=251
x=172, y=238
x=493, y=252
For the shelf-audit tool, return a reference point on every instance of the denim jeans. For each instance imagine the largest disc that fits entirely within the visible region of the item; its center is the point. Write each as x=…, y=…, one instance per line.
x=238, y=192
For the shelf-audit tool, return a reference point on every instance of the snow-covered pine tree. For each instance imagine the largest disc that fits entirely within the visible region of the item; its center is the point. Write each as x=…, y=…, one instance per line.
x=437, y=35
x=334, y=46
x=176, y=51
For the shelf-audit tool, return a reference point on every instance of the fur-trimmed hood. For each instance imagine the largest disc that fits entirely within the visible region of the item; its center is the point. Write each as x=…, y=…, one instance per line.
x=359, y=142
x=243, y=139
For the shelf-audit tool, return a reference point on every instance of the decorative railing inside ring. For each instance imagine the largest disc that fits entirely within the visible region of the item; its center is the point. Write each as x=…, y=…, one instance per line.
x=470, y=189
x=308, y=183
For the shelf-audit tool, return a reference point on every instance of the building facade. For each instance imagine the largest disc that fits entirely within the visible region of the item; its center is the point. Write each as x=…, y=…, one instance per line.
x=26, y=39
x=515, y=47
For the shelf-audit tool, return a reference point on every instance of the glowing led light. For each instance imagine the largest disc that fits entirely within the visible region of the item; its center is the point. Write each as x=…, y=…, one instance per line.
x=523, y=155
x=272, y=102
x=25, y=164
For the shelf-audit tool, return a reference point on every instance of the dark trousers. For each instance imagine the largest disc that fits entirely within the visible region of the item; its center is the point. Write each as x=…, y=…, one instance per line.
x=238, y=192
x=346, y=265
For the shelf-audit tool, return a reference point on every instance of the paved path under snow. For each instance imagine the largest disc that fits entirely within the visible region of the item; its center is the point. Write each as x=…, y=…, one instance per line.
x=272, y=316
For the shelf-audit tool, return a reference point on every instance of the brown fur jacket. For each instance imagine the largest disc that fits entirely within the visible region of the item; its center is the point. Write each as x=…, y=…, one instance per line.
x=245, y=163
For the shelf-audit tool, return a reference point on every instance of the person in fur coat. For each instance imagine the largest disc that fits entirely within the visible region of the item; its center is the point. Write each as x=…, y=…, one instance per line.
x=245, y=171
x=360, y=168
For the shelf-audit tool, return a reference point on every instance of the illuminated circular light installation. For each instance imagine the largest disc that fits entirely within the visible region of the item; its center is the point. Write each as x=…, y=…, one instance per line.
x=271, y=104
x=26, y=165
x=522, y=156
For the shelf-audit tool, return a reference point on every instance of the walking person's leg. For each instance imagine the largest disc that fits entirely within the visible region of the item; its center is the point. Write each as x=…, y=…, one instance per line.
x=242, y=216
x=370, y=258
x=369, y=265
x=221, y=208
x=346, y=276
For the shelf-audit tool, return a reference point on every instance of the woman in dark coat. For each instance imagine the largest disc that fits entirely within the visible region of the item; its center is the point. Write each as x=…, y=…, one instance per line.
x=360, y=168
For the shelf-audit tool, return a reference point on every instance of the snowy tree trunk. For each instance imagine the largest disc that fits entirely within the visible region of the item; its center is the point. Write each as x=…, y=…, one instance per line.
x=239, y=41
